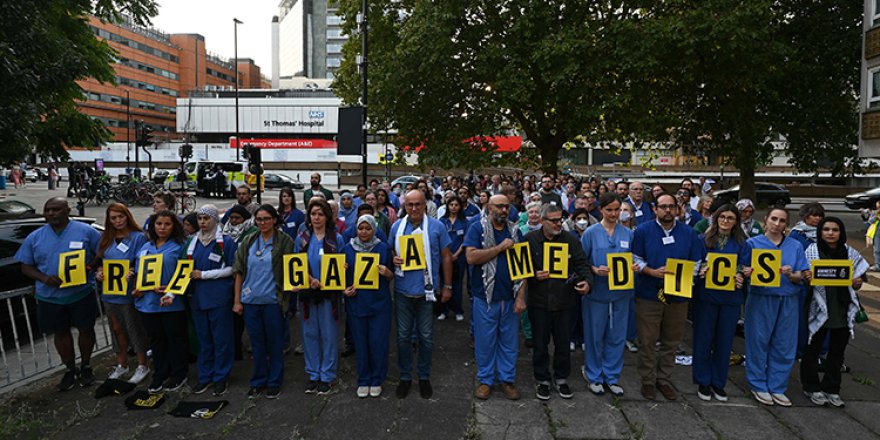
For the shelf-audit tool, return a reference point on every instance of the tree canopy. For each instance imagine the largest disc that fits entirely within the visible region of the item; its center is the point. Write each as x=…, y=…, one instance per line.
x=42, y=56
x=713, y=77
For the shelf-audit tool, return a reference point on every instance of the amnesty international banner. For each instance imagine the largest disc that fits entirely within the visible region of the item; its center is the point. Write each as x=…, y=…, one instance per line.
x=831, y=272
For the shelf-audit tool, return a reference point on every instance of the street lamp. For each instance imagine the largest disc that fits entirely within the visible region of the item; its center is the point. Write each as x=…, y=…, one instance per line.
x=235, y=24
x=128, y=133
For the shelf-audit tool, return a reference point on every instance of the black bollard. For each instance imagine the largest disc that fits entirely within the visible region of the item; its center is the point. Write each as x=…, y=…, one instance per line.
x=81, y=209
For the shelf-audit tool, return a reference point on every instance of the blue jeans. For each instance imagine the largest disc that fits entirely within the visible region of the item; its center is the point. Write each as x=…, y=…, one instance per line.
x=877, y=248
x=414, y=311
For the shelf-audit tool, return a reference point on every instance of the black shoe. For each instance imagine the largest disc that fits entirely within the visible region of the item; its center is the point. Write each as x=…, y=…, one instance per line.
x=542, y=391
x=201, y=388
x=175, y=385
x=156, y=386
x=403, y=388
x=349, y=350
x=719, y=394
x=254, y=392
x=425, y=389
x=704, y=392
x=86, y=377
x=564, y=390
x=68, y=381
x=220, y=388
x=311, y=387
x=844, y=368
x=530, y=342
x=325, y=388
x=273, y=393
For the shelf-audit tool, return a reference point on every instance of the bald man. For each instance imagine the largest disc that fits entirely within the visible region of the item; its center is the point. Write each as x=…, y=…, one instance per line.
x=60, y=308
x=415, y=291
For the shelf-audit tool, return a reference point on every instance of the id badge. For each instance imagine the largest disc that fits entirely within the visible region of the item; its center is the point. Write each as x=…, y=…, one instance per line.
x=668, y=240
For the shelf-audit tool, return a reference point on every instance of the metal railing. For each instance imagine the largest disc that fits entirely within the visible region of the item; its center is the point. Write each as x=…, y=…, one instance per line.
x=27, y=354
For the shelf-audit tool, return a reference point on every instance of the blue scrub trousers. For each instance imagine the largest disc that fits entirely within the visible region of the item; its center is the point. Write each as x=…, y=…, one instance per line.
x=263, y=323
x=214, y=329
x=771, y=341
x=320, y=338
x=496, y=341
x=605, y=327
x=415, y=317
x=714, y=328
x=371, y=342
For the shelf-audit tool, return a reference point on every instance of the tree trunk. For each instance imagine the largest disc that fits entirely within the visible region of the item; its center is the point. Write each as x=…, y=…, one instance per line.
x=549, y=157
x=746, y=164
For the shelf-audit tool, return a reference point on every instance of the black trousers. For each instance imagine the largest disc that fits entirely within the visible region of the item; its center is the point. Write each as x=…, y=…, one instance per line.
x=830, y=384
x=547, y=324
x=169, y=342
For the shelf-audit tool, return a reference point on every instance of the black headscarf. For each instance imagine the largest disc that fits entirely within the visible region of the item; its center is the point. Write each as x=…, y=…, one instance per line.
x=825, y=251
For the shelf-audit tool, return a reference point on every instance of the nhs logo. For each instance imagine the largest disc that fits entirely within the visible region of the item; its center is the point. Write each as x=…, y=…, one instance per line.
x=316, y=114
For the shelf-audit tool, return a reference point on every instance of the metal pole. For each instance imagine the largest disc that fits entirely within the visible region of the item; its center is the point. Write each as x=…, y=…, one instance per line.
x=236, y=22
x=364, y=30
x=128, y=133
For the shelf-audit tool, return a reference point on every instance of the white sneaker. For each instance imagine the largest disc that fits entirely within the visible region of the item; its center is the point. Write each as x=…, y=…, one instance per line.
x=459, y=317
x=571, y=346
x=597, y=388
x=616, y=390
x=363, y=392
x=818, y=398
x=834, y=400
x=376, y=391
x=118, y=371
x=441, y=317
x=781, y=399
x=763, y=397
x=632, y=347
x=140, y=373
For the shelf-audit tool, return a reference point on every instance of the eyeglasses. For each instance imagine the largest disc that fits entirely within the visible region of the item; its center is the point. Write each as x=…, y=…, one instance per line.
x=726, y=218
x=683, y=193
x=554, y=220
x=502, y=205
x=667, y=207
x=263, y=219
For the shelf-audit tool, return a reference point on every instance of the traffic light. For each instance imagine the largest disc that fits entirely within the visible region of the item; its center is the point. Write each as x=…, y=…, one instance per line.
x=142, y=134
x=185, y=151
x=254, y=157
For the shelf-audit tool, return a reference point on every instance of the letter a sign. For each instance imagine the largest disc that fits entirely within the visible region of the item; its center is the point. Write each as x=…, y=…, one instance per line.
x=765, y=265
x=620, y=271
x=412, y=249
x=519, y=261
x=333, y=272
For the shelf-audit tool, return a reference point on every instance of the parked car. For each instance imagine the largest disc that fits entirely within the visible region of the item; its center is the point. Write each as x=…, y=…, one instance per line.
x=403, y=180
x=18, y=290
x=769, y=194
x=15, y=209
x=278, y=181
x=861, y=200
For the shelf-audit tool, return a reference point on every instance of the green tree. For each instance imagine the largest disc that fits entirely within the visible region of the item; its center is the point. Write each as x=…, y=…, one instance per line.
x=50, y=47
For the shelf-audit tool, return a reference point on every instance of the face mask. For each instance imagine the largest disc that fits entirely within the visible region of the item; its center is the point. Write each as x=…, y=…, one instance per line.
x=624, y=216
x=396, y=191
x=582, y=224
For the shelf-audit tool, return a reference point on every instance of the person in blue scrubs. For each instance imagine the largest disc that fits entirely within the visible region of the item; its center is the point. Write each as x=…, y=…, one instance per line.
x=289, y=216
x=497, y=299
x=368, y=311
x=121, y=239
x=772, y=315
x=163, y=314
x=320, y=308
x=716, y=312
x=59, y=309
x=605, y=312
x=456, y=226
x=210, y=300
x=260, y=298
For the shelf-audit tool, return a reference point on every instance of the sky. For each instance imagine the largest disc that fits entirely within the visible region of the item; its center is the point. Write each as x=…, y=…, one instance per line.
x=213, y=20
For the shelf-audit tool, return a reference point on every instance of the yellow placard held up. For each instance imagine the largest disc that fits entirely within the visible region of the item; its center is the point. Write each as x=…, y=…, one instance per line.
x=296, y=271
x=620, y=271
x=333, y=272
x=149, y=274
x=679, y=278
x=556, y=259
x=72, y=268
x=115, y=277
x=831, y=273
x=412, y=250
x=180, y=280
x=766, y=264
x=721, y=274
x=519, y=261
x=366, y=271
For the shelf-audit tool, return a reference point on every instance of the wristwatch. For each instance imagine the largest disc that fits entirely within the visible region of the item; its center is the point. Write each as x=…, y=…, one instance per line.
x=447, y=286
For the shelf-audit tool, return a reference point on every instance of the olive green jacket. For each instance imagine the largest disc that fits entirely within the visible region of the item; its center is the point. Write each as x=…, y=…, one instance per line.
x=283, y=244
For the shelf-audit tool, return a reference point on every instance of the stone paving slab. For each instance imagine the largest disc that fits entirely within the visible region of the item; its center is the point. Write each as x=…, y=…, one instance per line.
x=739, y=418
x=866, y=413
x=810, y=423
x=665, y=420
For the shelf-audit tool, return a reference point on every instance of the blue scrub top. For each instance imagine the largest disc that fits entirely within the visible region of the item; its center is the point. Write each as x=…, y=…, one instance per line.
x=217, y=292
x=648, y=244
x=412, y=282
x=597, y=245
x=743, y=258
x=368, y=302
x=314, y=252
x=792, y=255
x=456, y=232
x=131, y=244
x=149, y=301
x=259, y=284
x=643, y=213
x=503, y=284
x=290, y=222
x=41, y=249
x=471, y=210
